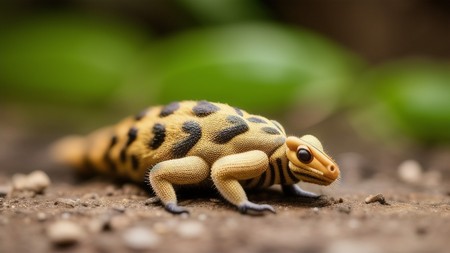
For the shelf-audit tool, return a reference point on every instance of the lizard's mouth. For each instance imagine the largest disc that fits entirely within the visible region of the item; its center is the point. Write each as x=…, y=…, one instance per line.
x=310, y=175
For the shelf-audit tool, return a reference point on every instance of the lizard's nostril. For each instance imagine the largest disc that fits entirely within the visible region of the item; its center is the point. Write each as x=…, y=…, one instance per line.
x=331, y=168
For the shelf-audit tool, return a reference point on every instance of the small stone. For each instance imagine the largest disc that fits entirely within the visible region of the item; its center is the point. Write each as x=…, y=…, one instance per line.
x=376, y=198
x=19, y=181
x=41, y=216
x=202, y=217
x=63, y=233
x=65, y=215
x=4, y=190
x=190, y=229
x=214, y=200
x=99, y=224
x=140, y=238
x=91, y=202
x=67, y=202
x=315, y=209
x=37, y=181
x=151, y=201
x=410, y=171
x=345, y=209
x=120, y=209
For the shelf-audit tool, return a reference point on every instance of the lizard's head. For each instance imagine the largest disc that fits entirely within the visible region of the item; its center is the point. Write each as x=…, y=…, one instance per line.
x=308, y=161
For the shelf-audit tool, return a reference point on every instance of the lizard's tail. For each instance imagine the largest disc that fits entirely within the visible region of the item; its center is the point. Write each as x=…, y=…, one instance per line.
x=84, y=153
x=71, y=151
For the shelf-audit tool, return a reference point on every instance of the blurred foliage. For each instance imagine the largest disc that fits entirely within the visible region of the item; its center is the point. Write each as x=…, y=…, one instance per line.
x=65, y=58
x=407, y=98
x=234, y=54
x=223, y=11
x=258, y=66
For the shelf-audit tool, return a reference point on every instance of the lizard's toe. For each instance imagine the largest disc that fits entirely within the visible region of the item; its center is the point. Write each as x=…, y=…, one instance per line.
x=175, y=209
x=256, y=209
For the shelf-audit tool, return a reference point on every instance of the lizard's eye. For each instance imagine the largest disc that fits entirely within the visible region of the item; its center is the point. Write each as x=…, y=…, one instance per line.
x=304, y=155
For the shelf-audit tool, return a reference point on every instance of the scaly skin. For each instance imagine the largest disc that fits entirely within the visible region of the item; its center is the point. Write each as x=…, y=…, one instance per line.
x=190, y=142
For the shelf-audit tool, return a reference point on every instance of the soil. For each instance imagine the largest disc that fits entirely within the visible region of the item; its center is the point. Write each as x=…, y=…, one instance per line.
x=340, y=221
x=119, y=217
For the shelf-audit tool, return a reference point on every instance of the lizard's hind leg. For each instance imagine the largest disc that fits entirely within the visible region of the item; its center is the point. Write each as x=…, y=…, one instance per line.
x=183, y=171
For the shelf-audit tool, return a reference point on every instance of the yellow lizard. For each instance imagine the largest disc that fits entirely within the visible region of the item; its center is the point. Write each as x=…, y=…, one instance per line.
x=195, y=142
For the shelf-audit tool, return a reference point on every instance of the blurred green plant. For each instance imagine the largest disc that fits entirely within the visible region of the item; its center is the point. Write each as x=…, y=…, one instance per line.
x=223, y=11
x=65, y=58
x=409, y=99
x=261, y=67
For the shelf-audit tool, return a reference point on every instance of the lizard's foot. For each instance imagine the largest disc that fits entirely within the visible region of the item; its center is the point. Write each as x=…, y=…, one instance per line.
x=295, y=190
x=175, y=209
x=251, y=208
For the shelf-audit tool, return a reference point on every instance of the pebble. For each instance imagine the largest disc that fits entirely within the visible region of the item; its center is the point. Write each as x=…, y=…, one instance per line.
x=4, y=190
x=91, y=202
x=190, y=229
x=110, y=190
x=99, y=224
x=410, y=171
x=151, y=201
x=352, y=246
x=41, y=216
x=345, y=209
x=376, y=198
x=67, y=202
x=119, y=209
x=202, y=217
x=140, y=238
x=63, y=233
x=37, y=181
x=214, y=200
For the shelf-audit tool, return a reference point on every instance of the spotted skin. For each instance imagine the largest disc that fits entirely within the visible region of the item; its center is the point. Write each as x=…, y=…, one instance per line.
x=195, y=142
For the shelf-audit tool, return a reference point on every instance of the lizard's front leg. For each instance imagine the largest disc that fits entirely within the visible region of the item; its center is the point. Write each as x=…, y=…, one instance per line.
x=183, y=171
x=227, y=171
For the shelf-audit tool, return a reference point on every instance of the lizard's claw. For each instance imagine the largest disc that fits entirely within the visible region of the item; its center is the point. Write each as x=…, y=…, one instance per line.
x=295, y=190
x=251, y=208
x=175, y=209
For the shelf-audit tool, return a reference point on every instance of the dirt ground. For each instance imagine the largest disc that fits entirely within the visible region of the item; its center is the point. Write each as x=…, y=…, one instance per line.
x=106, y=216
x=415, y=220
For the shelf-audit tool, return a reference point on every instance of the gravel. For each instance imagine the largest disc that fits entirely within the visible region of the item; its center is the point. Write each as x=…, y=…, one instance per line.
x=4, y=190
x=410, y=171
x=140, y=238
x=376, y=198
x=37, y=181
x=67, y=202
x=62, y=233
x=190, y=229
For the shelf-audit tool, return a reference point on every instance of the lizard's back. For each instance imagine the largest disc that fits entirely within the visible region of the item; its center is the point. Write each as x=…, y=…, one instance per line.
x=190, y=128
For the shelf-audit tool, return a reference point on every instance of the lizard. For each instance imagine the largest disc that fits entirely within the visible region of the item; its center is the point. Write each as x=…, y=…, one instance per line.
x=193, y=142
